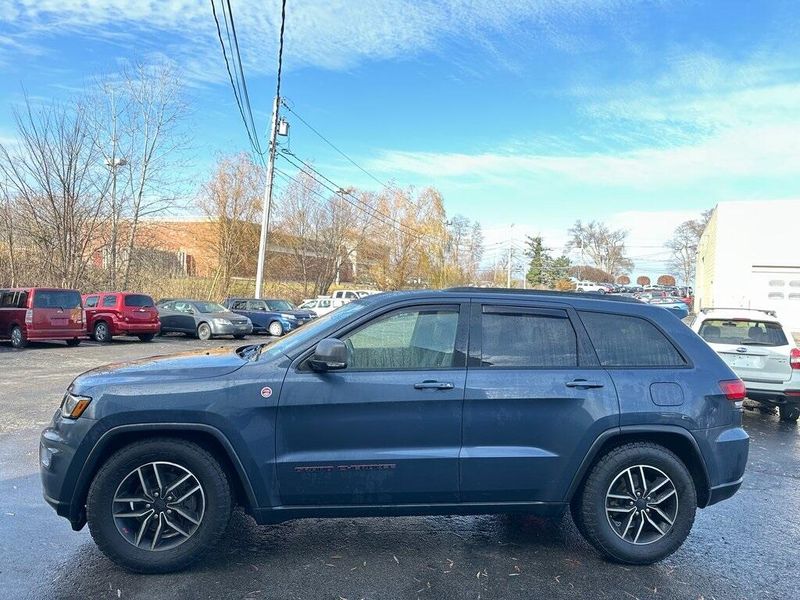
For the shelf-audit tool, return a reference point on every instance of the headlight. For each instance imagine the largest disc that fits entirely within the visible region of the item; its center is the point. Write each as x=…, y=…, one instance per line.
x=222, y=322
x=72, y=406
x=288, y=316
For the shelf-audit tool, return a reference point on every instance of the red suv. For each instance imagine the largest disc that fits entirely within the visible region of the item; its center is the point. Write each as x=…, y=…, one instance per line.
x=41, y=314
x=121, y=313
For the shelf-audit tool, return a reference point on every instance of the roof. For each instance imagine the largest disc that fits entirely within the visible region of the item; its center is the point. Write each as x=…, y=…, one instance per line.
x=741, y=313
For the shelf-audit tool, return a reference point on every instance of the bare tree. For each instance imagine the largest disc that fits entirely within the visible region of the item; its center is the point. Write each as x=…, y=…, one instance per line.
x=7, y=237
x=139, y=130
x=323, y=230
x=52, y=174
x=231, y=200
x=604, y=246
x=683, y=246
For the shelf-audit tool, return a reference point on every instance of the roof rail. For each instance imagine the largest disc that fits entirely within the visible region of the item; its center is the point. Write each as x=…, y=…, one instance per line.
x=554, y=293
x=766, y=311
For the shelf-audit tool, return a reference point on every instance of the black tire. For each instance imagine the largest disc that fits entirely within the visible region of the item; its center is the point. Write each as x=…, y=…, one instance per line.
x=147, y=337
x=203, y=331
x=101, y=332
x=73, y=342
x=216, y=494
x=239, y=336
x=18, y=338
x=789, y=413
x=275, y=329
x=592, y=520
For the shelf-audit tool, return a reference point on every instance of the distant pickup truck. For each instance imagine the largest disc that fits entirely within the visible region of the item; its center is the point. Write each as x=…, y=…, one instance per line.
x=349, y=295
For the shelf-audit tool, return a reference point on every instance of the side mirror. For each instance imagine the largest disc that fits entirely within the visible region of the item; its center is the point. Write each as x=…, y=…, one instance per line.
x=329, y=355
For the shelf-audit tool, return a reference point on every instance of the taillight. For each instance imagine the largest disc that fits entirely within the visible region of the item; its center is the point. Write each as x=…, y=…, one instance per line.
x=28, y=317
x=733, y=389
x=794, y=358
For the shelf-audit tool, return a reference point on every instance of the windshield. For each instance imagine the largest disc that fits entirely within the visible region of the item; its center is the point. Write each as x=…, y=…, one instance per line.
x=742, y=332
x=279, y=305
x=289, y=343
x=311, y=304
x=209, y=307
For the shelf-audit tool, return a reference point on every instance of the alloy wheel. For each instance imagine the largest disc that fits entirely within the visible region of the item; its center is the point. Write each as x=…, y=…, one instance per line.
x=16, y=337
x=275, y=329
x=641, y=504
x=158, y=506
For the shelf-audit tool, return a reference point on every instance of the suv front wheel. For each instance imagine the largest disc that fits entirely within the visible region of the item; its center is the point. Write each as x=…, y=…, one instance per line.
x=637, y=504
x=158, y=505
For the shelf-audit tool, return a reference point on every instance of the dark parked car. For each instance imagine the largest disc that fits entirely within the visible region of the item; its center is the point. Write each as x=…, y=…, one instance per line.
x=272, y=315
x=202, y=319
x=121, y=313
x=459, y=401
x=28, y=314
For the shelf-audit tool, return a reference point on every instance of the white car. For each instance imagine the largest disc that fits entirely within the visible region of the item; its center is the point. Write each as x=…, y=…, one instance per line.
x=761, y=352
x=321, y=306
x=591, y=286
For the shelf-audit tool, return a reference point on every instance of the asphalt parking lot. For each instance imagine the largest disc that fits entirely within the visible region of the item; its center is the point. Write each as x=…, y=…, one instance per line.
x=744, y=548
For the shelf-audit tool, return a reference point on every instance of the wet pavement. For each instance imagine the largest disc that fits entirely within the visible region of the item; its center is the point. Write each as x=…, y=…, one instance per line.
x=746, y=547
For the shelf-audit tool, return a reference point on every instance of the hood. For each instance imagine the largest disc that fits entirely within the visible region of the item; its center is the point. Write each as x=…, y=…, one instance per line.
x=199, y=364
x=226, y=314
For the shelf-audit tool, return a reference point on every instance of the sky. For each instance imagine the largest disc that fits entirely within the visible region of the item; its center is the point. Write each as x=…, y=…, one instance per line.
x=526, y=115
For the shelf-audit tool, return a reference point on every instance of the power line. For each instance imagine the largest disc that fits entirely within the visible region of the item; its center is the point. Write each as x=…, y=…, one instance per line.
x=234, y=84
x=335, y=147
x=243, y=81
x=386, y=219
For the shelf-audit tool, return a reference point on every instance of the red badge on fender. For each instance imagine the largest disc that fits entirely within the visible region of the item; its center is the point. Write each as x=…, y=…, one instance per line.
x=266, y=392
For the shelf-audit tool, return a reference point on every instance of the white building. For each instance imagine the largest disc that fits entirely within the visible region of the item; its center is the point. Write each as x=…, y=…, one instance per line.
x=749, y=257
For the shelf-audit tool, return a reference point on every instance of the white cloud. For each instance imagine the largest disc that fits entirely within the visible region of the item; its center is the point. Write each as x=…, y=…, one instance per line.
x=333, y=34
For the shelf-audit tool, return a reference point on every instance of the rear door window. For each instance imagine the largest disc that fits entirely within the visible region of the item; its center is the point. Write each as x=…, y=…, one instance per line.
x=63, y=299
x=741, y=332
x=138, y=300
x=527, y=338
x=110, y=301
x=626, y=341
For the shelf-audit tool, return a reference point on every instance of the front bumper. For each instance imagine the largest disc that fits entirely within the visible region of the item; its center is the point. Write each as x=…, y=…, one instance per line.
x=60, y=465
x=232, y=329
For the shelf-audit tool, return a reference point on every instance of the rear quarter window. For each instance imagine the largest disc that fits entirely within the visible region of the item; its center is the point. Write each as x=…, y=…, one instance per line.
x=626, y=341
x=63, y=299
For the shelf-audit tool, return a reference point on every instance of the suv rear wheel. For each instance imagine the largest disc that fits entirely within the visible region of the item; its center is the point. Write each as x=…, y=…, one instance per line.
x=102, y=333
x=18, y=339
x=158, y=505
x=789, y=412
x=637, y=504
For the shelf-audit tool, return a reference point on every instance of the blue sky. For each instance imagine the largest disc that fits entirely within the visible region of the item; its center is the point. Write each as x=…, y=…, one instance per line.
x=533, y=113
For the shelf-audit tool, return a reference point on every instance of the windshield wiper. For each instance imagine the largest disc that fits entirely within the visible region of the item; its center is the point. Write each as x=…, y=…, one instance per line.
x=754, y=343
x=251, y=352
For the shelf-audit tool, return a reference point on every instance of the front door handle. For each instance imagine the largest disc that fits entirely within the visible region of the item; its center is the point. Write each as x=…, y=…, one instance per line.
x=433, y=385
x=583, y=384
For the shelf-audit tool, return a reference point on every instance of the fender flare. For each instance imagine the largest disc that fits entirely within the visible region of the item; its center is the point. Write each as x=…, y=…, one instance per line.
x=92, y=459
x=627, y=430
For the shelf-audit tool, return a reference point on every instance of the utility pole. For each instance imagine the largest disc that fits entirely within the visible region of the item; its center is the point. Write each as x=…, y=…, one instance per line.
x=267, y=202
x=273, y=133
x=510, y=257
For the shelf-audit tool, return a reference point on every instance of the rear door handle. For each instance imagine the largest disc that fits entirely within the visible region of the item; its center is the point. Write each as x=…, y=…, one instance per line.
x=433, y=385
x=583, y=384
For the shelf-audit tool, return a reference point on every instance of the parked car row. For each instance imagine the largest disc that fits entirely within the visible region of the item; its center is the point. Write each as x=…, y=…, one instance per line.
x=39, y=314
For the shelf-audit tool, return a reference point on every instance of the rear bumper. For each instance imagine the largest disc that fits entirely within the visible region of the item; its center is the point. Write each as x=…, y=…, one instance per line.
x=725, y=451
x=133, y=328
x=721, y=492
x=774, y=397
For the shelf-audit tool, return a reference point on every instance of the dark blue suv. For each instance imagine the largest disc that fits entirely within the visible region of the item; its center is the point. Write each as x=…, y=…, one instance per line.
x=437, y=402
